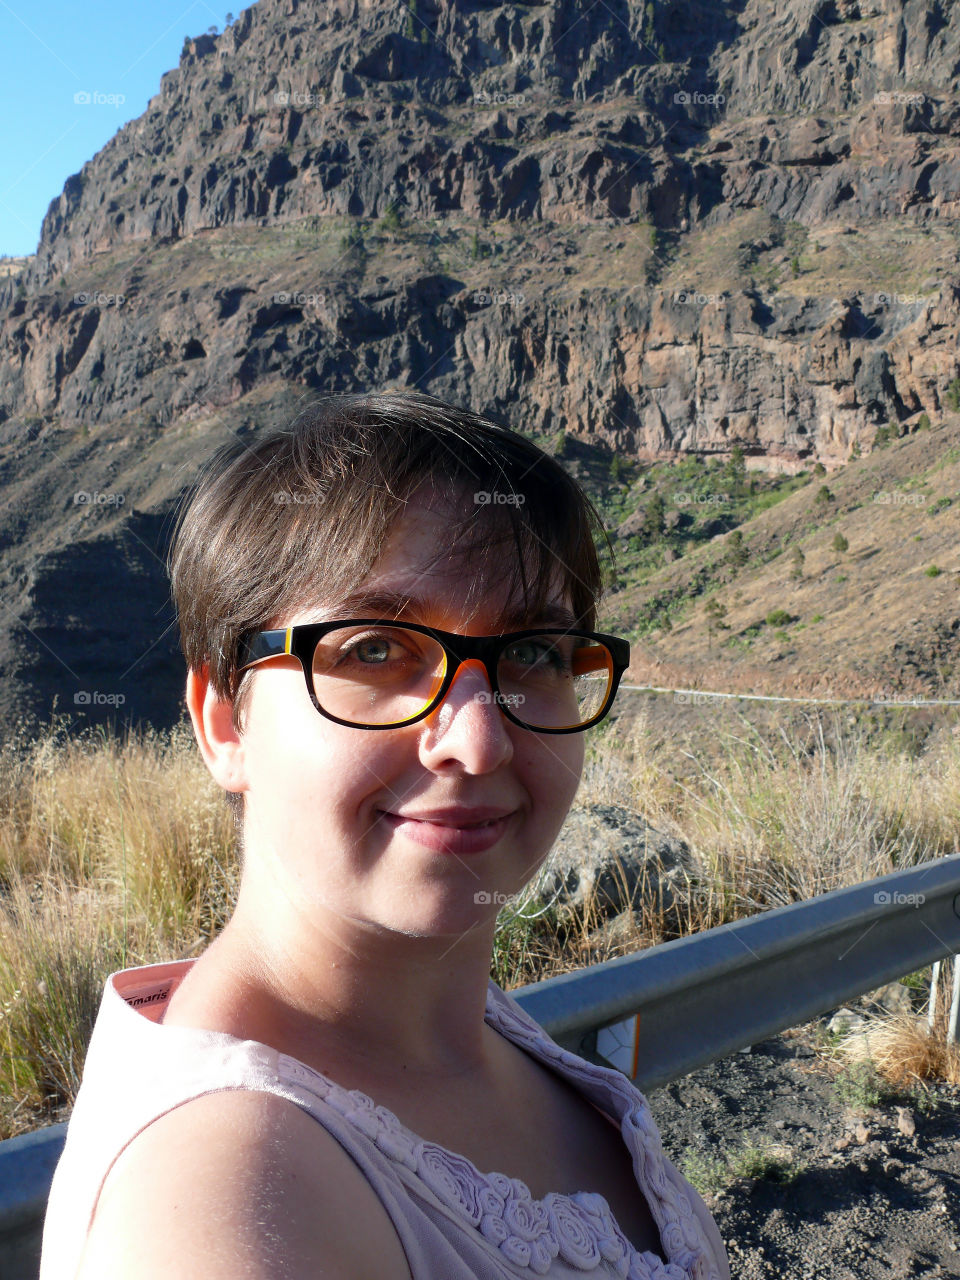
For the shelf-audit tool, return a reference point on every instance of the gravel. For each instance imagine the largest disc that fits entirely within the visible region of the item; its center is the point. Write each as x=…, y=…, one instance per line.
x=844, y=1193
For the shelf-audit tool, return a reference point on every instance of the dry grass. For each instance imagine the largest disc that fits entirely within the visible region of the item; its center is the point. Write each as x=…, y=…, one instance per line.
x=113, y=852
x=905, y=1052
x=903, y=1049
x=772, y=820
x=116, y=852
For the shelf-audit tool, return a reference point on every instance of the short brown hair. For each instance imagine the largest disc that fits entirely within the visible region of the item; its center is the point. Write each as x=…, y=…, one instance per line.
x=302, y=514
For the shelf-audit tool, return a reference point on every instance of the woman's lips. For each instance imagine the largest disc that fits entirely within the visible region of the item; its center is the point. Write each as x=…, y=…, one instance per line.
x=453, y=831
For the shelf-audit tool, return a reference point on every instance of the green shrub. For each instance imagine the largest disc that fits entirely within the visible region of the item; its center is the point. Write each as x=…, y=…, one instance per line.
x=779, y=618
x=649, y=30
x=653, y=518
x=736, y=469
x=823, y=496
x=390, y=221
x=738, y=554
x=859, y=1086
x=352, y=240
x=884, y=435
x=952, y=396
x=840, y=543
x=933, y=571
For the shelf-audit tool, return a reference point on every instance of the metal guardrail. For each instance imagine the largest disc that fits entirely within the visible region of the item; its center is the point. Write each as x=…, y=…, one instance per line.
x=26, y=1171
x=712, y=993
x=703, y=997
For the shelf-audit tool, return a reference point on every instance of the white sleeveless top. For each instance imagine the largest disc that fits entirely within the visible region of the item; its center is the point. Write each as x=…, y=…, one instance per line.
x=454, y=1221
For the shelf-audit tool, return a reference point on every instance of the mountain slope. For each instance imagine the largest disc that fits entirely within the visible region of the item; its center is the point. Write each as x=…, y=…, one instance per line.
x=657, y=229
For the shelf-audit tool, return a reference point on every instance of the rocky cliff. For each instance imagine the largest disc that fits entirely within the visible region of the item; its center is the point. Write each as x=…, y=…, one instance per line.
x=660, y=227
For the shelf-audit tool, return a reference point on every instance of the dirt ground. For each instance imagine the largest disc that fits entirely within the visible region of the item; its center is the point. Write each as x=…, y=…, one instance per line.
x=864, y=1200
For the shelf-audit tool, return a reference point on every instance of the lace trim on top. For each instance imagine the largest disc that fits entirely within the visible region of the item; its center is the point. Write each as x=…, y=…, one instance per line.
x=579, y=1228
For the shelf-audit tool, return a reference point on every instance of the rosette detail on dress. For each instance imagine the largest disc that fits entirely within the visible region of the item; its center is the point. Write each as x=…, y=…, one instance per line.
x=529, y=1234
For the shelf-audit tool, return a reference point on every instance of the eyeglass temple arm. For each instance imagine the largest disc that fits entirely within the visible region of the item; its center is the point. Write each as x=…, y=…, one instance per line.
x=592, y=659
x=264, y=644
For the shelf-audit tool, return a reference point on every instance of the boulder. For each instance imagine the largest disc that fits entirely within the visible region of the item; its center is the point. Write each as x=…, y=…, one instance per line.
x=613, y=853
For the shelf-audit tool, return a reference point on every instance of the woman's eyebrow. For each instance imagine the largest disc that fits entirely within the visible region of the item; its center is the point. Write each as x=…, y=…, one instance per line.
x=378, y=604
x=551, y=615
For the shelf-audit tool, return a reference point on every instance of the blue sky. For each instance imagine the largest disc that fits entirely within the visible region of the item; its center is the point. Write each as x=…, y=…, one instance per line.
x=53, y=49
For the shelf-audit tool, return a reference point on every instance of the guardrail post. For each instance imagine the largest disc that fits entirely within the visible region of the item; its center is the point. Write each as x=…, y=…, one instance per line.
x=954, y=1003
x=932, y=1002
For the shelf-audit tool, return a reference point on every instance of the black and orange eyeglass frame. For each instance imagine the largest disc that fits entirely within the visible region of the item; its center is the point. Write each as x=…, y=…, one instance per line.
x=600, y=653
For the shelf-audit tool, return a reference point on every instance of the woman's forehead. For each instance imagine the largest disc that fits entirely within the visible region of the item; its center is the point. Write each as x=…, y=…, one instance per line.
x=423, y=574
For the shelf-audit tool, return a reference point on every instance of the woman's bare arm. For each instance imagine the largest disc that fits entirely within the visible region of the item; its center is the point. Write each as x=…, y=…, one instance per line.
x=239, y=1185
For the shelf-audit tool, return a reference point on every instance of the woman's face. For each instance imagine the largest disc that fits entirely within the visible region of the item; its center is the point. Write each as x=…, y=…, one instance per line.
x=422, y=829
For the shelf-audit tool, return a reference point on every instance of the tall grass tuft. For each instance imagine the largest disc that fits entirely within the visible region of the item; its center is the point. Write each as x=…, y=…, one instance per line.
x=113, y=852
x=57, y=946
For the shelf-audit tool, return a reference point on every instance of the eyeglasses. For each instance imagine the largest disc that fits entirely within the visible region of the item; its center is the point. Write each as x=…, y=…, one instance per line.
x=369, y=673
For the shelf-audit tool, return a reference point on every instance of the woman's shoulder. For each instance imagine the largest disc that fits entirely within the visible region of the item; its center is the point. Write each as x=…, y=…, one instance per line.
x=183, y=1135
x=266, y=1193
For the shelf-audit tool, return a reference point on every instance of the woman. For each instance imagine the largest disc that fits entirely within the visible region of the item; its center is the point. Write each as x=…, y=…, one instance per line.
x=387, y=614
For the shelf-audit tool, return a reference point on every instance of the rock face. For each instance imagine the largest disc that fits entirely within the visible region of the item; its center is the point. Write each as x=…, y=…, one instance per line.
x=604, y=221
x=679, y=116
x=572, y=112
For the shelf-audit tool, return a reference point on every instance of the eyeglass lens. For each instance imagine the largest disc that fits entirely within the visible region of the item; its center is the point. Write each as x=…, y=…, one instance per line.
x=386, y=675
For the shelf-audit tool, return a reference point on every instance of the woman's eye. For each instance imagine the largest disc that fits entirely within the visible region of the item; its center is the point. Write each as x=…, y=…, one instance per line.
x=531, y=653
x=371, y=651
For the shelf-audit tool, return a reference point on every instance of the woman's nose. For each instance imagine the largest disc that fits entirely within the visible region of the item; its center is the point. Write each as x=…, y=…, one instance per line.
x=468, y=726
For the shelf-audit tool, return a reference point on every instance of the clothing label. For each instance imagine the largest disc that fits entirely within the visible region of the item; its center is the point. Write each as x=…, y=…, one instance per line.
x=150, y=999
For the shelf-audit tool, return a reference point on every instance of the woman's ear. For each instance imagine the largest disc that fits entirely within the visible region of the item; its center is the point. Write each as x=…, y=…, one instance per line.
x=220, y=742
